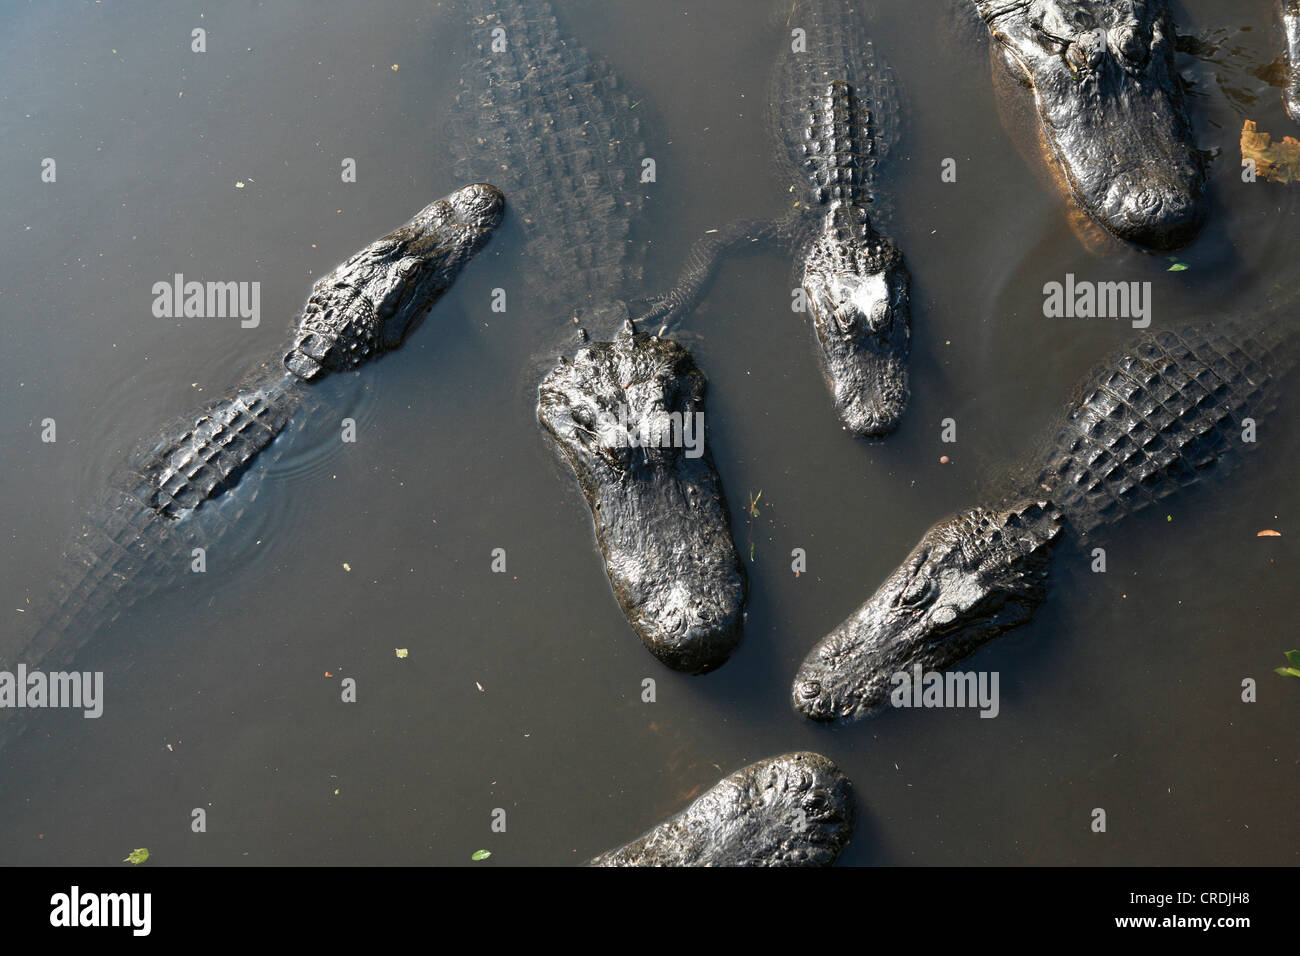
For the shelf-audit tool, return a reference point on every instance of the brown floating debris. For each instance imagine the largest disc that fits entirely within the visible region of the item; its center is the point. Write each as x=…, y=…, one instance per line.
x=1278, y=162
x=1267, y=533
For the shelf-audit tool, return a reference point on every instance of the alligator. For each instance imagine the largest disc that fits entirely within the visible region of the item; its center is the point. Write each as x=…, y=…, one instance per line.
x=1291, y=27
x=832, y=113
x=793, y=810
x=1112, y=109
x=557, y=128
x=179, y=491
x=629, y=417
x=1153, y=419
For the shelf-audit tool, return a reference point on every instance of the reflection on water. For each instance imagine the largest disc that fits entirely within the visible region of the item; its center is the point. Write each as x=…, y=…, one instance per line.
x=522, y=690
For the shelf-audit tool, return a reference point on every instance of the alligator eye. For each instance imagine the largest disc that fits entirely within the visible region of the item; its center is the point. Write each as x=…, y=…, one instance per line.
x=798, y=780
x=917, y=590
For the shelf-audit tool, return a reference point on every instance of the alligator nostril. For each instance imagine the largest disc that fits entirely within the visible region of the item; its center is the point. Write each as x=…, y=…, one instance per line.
x=810, y=689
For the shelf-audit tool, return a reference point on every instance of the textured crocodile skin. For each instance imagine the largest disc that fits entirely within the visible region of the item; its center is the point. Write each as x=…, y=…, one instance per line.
x=556, y=130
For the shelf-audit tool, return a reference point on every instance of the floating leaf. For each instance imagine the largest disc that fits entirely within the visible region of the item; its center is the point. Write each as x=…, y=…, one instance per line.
x=1288, y=671
x=137, y=857
x=401, y=652
x=1277, y=162
x=1177, y=267
x=1266, y=533
x=1294, y=658
x=481, y=855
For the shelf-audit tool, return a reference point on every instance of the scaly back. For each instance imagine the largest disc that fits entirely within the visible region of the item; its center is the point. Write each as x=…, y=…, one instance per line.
x=555, y=129
x=1157, y=415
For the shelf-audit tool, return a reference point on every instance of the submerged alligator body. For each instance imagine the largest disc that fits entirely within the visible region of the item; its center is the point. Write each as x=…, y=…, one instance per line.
x=629, y=417
x=1112, y=109
x=557, y=128
x=1154, y=419
x=554, y=127
x=832, y=109
x=793, y=810
x=173, y=495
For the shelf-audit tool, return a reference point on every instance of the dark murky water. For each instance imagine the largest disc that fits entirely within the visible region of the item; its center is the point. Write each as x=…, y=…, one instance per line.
x=1123, y=693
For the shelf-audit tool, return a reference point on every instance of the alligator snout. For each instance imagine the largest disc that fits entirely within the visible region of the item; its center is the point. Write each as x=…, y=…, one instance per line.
x=811, y=700
x=1158, y=214
x=479, y=205
x=689, y=634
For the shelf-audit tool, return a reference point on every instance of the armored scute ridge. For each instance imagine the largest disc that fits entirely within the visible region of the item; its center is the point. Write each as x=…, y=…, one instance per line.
x=793, y=810
x=179, y=492
x=629, y=417
x=1111, y=104
x=1154, y=419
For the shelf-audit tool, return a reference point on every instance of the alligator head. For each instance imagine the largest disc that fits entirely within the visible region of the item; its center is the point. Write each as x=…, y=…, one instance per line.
x=857, y=288
x=367, y=305
x=972, y=577
x=793, y=810
x=1111, y=104
x=629, y=417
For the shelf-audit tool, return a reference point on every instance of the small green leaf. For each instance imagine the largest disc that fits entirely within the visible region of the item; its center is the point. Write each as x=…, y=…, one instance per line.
x=481, y=855
x=1177, y=267
x=1293, y=657
x=137, y=856
x=402, y=652
x=1288, y=671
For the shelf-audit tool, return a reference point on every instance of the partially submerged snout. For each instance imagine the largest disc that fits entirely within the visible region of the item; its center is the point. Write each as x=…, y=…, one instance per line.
x=1155, y=206
x=1112, y=111
x=858, y=293
x=478, y=206
x=970, y=578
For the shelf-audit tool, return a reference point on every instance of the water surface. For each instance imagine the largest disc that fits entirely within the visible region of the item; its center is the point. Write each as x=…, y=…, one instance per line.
x=522, y=690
